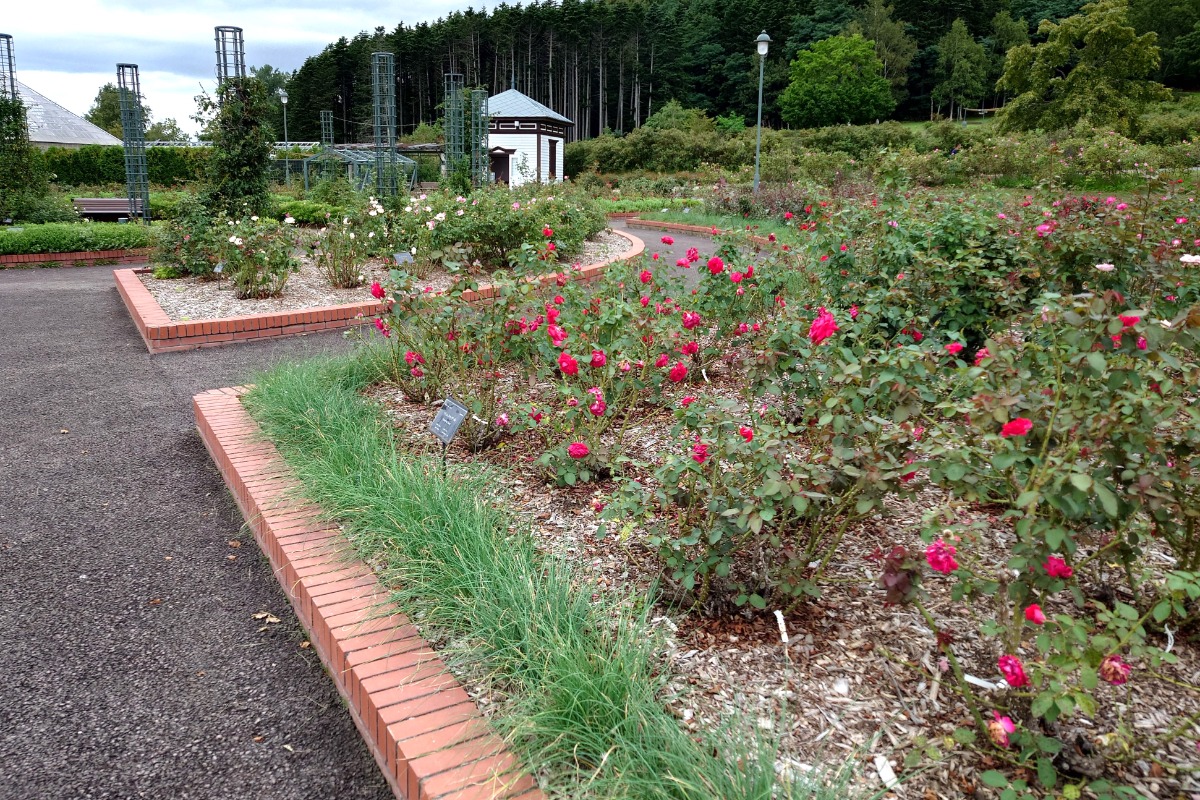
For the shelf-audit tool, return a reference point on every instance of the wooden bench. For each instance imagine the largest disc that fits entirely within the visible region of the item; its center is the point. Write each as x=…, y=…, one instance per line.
x=106, y=207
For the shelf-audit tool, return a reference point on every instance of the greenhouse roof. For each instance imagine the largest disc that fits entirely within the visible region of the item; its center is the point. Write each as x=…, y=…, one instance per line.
x=51, y=124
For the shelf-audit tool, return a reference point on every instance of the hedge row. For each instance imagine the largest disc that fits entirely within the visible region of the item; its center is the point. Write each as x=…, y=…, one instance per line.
x=98, y=164
x=57, y=237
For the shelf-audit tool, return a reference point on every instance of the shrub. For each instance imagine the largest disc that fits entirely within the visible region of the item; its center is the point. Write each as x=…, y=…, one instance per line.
x=236, y=173
x=190, y=239
x=75, y=237
x=257, y=257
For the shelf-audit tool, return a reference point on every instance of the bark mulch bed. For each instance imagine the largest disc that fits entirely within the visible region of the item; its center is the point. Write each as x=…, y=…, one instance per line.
x=858, y=681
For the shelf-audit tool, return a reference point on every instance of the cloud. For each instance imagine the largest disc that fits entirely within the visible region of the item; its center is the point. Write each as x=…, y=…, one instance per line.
x=69, y=58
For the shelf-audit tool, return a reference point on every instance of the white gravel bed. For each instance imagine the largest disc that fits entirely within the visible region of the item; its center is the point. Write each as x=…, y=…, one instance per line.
x=189, y=299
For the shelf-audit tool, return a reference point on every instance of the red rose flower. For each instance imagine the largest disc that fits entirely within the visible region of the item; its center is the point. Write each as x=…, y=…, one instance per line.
x=598, y=358
x=716, y=265
x=822, y=327
x=567, y=364
x=377, y=291
x=646, y=276
x=954, y=348
x=1057, y=568
x=1013, y=671
x=1020, y=426
x=577, y=450
x=667, y=240
x=678, y=372
x=746, y=433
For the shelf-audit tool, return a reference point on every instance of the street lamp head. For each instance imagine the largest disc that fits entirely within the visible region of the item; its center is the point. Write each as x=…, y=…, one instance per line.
x=282, y=96
x=764, y=42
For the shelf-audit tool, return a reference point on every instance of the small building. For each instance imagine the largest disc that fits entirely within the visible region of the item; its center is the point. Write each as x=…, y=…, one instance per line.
x=525, y=139
x=51, y=125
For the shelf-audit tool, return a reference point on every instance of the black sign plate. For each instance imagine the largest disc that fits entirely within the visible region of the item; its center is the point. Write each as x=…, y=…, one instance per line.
x=449, y=417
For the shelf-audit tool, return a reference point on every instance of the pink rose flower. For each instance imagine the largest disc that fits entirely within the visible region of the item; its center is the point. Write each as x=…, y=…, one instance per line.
x=1057, y=568
x=999, y=729
x=667, y=240
x=577, y=450
x=1013, y=671
x=1020, y=426
x=1114, y=670
x=1035, y=614
x=567, y=364
x=941, y=557
x=822, y=327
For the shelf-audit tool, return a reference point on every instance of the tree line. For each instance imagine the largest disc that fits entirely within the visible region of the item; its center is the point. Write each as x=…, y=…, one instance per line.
x=609, y=64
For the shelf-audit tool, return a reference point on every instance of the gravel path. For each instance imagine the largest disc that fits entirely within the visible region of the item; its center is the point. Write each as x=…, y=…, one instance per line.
x=130, y=661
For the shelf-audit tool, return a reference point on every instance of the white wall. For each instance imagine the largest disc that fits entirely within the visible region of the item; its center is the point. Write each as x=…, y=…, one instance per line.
x=525, y=145
x=558, y=165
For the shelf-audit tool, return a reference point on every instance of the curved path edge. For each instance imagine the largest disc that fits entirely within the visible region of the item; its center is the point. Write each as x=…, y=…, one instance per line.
x=424, y=731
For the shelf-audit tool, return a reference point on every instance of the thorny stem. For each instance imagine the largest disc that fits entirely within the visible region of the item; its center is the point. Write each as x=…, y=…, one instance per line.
x=959, y=677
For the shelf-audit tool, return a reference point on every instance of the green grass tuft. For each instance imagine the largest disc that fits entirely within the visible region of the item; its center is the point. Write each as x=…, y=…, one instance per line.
x=582, y=676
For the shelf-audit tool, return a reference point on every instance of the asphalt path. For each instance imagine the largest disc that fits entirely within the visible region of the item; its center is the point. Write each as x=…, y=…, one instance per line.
x=131, y=662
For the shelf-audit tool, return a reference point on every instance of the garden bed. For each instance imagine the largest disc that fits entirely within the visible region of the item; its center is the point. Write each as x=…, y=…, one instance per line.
x=205, y=313
x=858, y=679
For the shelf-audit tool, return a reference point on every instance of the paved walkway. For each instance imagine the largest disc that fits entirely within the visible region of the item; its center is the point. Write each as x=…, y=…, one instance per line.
x=130, y=661
x=131, y=664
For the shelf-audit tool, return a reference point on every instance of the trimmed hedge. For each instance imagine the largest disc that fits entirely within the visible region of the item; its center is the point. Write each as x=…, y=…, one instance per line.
x=74, y=238
x=102, y=164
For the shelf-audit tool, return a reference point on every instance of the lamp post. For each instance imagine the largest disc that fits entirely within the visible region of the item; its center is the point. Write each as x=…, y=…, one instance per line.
x=764, y=42
x=287, y=145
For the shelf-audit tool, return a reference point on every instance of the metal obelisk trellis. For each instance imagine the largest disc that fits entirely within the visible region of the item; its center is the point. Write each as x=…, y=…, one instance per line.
x=383, y=89
x=480, y=168
x=231, y=53
x=8, y=68
x=326, y=129
x=453, y=127
x=133, y=126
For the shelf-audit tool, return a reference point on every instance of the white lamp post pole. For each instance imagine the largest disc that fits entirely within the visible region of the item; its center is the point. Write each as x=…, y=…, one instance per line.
x=764, y=42
x=287, y=145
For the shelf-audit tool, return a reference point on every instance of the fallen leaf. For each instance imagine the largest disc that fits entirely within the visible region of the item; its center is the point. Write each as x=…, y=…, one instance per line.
x=262, y=615
x=234, y=543
x=305, y=645
x=64, y=430
x=231, y=558
x=272, y=620
x=156, y=601
x=289, y=748
x=259, y=738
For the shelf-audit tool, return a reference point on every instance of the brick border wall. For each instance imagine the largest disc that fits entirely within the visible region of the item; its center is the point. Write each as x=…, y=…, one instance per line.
x=84, y=258
x=683, y=227
x=425, y=732
x=161, y=335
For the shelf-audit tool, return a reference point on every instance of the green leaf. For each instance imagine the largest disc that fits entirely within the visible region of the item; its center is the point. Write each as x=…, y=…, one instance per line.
x=1162, y=611
x=1096, y=361
x=964, y=735
x=956, y=472
x=757, y=601
x=1047, y=775
x=1080, y=481
x=994, y=778
x=1107, y=499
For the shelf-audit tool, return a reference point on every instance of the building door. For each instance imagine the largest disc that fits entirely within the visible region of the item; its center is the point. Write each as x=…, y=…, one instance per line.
x=553, y=160
x=500, y=167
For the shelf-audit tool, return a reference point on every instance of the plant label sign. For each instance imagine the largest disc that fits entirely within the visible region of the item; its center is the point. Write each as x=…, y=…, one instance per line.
x=449, y=417
x=402, y=258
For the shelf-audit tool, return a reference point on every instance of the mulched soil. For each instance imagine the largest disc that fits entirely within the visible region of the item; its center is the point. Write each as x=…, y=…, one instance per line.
x=857, y=679
x=133, y=664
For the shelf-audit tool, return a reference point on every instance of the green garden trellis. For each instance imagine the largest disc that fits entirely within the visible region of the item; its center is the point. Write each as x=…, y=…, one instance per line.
x=133, y=128
x=231, y=53
x=326, y=129
x=466, y=128
x=8, y=68
x=383, y=89
x=453, y=127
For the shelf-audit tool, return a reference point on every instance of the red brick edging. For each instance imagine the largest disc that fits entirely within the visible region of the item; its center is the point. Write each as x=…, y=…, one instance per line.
x=425, y=732
x=161, y=335
x=683, y=227
x=82, y=258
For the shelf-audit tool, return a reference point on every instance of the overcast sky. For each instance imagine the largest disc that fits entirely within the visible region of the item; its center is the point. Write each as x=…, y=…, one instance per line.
x=68, y=49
